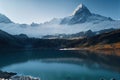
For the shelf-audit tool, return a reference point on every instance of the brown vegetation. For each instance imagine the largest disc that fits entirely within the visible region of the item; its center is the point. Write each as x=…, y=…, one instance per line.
x=108, y=49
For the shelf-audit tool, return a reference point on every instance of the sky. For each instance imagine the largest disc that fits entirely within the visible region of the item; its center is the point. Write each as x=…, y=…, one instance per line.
x=39, y=11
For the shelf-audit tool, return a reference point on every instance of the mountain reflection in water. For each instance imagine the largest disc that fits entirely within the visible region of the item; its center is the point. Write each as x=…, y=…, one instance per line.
x=60, y=65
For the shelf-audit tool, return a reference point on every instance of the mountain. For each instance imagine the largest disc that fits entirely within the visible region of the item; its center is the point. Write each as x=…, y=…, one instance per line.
x=4, y=19
x=21, y=36
x=78, y=35
x=82, y=15
x=101, y=39
x=34, y=24
x=9, y=41
x=81, y=20
x=104, y=38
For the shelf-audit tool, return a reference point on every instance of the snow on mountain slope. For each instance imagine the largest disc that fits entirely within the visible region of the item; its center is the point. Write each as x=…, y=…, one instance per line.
x=81, y=20
x=4, y=19
x=82, y=15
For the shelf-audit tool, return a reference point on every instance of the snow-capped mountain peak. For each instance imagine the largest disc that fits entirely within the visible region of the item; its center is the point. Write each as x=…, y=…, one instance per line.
x=81, y=8
x=82, y=15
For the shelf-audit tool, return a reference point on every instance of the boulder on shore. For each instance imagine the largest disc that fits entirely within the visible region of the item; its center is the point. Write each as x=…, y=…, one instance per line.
x=6, y=75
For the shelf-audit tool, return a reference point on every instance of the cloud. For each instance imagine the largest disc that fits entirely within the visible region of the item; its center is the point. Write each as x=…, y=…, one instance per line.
x=52, y=28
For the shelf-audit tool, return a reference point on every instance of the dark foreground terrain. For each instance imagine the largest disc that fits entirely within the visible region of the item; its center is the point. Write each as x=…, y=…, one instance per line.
x=109, y=41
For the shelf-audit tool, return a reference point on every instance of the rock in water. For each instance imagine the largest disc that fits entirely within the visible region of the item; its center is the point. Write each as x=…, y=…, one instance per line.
x=24, y=78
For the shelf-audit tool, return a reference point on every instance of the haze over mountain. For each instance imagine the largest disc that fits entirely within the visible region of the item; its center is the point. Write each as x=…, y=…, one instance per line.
x=81, y=20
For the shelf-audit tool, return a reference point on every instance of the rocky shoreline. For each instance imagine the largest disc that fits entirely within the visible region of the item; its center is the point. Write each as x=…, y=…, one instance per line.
x=14, y=76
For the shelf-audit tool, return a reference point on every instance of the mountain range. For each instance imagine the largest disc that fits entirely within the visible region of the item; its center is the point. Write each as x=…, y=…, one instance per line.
x=81, y=20
x=79, y=35
x=108, y=41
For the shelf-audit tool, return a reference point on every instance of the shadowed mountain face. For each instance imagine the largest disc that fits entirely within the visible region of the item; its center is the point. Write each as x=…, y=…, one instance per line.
x=22, y=41
x=81, y=10
x=10, y=41
x=104, y=38
x=82, y=15
x=4, y=19
x=110, y=37
x=79, y=35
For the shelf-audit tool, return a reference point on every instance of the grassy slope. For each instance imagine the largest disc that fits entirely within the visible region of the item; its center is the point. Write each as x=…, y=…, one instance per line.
x=106, y=43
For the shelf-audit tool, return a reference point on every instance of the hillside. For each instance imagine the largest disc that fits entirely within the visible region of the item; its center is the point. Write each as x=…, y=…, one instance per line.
x=78, y=35
x=108, y=43
x=8, y=41
x=105, y=42
x=105, y=38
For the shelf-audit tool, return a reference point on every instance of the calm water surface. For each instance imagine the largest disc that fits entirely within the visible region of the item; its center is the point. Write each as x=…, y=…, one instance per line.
x=55, y=65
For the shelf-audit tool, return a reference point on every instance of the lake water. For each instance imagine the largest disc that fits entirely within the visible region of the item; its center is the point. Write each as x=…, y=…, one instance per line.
x=56, y=65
